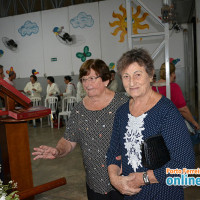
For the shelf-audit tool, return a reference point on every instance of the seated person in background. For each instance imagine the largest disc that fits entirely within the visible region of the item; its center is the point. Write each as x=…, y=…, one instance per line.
x=1, y=72
x=12, y=76
x=80, y=92
x=52, y=88
x=113, y=85
x=33, y=88
x=70, y=89
x=176, y=94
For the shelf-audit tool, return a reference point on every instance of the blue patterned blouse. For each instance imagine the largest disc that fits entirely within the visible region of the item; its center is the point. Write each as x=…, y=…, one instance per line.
x=128, y=134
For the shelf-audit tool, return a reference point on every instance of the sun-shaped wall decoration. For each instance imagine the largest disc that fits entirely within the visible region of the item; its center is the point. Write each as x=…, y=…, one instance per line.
x=122, y=22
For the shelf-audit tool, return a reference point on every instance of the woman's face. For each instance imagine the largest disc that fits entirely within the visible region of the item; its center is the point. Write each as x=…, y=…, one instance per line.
x=32, y=80
x=48, y=81
x=66, y=81
x=173, y=77
x=136, y=81
x=93, y=85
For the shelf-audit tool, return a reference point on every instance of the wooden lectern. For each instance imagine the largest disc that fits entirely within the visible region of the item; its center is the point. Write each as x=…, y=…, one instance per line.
x=14, y=141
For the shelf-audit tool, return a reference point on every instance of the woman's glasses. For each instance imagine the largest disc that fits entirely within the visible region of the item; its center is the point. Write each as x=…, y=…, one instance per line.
x=91, y=79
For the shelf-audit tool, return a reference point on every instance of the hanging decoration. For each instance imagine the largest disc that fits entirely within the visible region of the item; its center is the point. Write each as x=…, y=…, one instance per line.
x=84, y=55
x=11, y=70
x=121, y=23
x=111, y=66
x=34, y=72
x=82, y=20
x=28, y=29
x=1, y=52
x=174, y=61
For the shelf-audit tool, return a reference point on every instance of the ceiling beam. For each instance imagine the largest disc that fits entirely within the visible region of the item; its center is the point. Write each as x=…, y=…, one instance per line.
x=60, y=3
x=23, y=6
x=15, y=7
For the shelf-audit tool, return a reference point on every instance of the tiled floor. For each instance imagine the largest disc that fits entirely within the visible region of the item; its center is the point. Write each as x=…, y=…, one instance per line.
x=70, y=167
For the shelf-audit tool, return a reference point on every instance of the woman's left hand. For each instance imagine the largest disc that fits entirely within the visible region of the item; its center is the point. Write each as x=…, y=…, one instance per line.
x=138, y=180
x=124, y=184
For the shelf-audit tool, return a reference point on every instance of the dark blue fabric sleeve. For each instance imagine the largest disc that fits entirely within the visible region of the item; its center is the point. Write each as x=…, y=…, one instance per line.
x=114, y=148
x=178, y=142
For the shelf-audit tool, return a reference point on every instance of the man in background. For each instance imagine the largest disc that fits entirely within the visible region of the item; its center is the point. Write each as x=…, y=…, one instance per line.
x=113, y=85
x=12, y=76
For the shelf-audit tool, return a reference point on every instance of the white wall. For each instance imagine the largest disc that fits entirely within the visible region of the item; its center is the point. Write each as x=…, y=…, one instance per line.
x=51, y=46
x=35, y=51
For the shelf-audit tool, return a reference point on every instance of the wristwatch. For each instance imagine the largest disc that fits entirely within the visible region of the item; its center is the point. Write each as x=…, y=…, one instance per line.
x=146, y=178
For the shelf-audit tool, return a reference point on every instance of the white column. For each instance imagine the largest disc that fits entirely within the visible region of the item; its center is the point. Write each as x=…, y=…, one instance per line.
x=168, y=93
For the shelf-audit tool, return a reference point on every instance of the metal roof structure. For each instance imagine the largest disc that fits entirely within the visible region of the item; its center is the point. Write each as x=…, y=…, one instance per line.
x=184, y=9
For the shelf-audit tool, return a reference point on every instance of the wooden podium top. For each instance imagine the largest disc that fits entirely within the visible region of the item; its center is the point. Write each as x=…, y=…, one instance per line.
x=8, y=90
x=8, y=119
x=25, y=112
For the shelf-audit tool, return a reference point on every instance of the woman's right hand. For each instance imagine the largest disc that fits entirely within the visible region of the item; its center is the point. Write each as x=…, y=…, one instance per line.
x=45, y=152
x=123, y=184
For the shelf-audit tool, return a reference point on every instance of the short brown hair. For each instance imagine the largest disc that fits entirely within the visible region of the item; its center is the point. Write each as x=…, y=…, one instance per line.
x=99, y=66
x=162, y=70
x=138, y=55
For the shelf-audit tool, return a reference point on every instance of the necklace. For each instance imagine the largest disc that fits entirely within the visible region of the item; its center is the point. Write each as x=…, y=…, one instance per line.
x=97, y=105
x=144, y=109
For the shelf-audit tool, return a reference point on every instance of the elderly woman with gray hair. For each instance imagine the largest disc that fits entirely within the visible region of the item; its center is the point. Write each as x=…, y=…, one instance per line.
x=147, y=114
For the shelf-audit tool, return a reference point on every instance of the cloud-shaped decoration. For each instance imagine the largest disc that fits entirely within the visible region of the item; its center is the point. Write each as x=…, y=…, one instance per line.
x=82, y=20
x=28, y=28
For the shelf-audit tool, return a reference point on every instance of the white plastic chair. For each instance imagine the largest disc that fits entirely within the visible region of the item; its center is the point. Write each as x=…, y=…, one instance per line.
x=67, y=105
x=36, y=102
x=52, y=103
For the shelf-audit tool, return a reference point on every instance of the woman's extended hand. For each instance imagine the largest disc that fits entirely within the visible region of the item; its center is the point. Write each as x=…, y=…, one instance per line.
x=124, y=184
x=45, y=152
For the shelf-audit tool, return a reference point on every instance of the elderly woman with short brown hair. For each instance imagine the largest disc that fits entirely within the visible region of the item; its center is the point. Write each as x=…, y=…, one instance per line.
x=147, y=114
x=90, y=125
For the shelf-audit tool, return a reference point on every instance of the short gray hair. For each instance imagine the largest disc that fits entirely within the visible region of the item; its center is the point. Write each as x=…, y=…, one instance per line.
x=138, y=55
